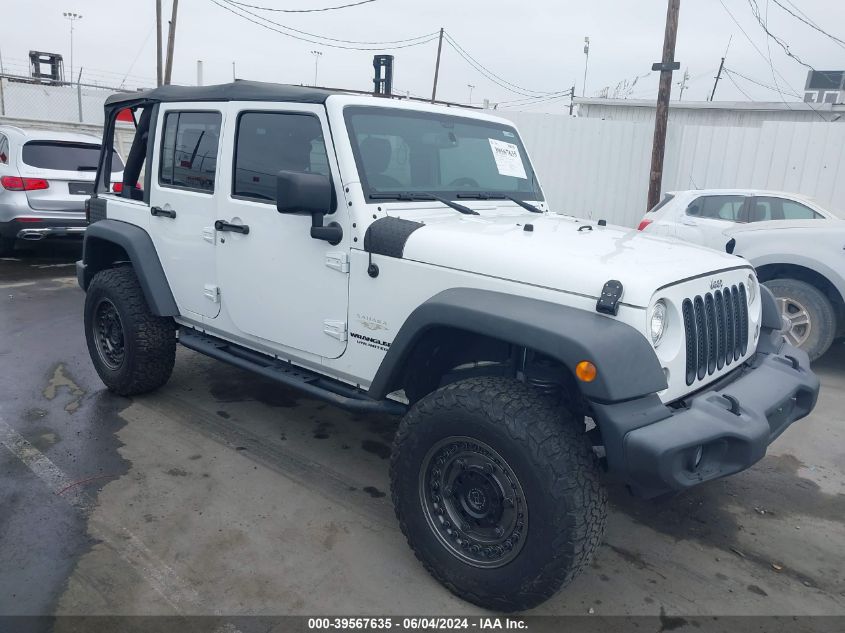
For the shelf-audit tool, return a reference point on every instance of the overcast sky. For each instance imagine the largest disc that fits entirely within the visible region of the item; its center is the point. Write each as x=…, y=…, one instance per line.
x=534, y=44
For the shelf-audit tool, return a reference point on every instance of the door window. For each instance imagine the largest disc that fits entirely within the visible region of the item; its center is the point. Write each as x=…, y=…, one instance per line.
x=768, y=208
x=270, y=142
x=189, y=150
x=717, y=207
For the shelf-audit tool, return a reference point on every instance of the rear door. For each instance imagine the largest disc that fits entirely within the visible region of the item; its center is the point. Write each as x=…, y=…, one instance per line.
x=705, y=219
x=69, y=169
x=183, y=200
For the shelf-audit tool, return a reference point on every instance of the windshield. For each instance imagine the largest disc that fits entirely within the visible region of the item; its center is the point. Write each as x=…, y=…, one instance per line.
x=65, y=156
x=449, y=156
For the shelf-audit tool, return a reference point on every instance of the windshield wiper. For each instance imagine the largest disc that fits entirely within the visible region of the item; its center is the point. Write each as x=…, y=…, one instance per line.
x=410, y=197
x=501, y=196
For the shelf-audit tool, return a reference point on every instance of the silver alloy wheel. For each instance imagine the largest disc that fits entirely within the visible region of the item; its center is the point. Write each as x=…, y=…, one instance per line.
x=796, y=319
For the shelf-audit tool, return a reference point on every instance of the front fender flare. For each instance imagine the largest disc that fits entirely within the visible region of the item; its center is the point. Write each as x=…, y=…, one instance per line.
x=142, y=254
x=626, y=362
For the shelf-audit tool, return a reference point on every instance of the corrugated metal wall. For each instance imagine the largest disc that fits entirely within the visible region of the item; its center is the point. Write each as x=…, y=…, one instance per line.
x=599, y=169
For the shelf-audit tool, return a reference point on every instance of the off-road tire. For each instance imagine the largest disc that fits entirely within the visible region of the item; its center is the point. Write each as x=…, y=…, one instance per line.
x=547, y=450
x=149, y=341
x=819, y=308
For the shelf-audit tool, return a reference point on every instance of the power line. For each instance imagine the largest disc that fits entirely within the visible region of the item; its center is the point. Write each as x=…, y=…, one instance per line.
x=736, y=85
x=460, y=49
x=750, y=41
x=335, y=8
x=755, y=10
x=769, y=51
x=313, y=38
x=806, y=20
x=326, y=37
x=757, y=83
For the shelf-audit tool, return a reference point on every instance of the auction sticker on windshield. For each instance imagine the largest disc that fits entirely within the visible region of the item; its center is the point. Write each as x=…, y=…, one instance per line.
x=508, y=160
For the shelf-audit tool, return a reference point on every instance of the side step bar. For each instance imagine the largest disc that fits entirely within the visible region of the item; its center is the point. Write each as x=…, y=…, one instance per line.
x=309, y=382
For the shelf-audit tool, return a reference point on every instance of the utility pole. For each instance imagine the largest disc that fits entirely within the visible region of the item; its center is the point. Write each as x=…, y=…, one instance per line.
x=437, y=66
x=664, y=93
x=683, y=84
x=721, y=67
x=159, y=67
x=718, y=76
x=571, y=100
x=470, y=86
x=199, y=72
x=171, y=40
x=234, y=76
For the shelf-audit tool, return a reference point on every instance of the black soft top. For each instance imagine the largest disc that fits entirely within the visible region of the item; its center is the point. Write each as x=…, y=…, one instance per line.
x=236, y=91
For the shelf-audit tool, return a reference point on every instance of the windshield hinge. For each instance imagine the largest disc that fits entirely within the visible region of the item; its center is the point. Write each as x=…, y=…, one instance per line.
x=338, y=261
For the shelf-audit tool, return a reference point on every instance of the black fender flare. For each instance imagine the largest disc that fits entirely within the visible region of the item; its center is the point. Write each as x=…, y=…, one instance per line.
x=139, y=247
x=626, y=363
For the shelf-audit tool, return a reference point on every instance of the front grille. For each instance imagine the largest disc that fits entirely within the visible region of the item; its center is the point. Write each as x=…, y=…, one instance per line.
x=716, y=331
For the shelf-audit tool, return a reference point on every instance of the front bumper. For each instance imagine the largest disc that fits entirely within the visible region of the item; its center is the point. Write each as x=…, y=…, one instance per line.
x=656, y=448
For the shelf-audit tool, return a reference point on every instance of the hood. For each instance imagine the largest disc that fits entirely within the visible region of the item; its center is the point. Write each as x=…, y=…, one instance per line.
x=561, y=252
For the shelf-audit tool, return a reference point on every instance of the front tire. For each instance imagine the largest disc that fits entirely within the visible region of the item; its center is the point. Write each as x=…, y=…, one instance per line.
x=132, y=349
x=497, y=491
x=812, y=320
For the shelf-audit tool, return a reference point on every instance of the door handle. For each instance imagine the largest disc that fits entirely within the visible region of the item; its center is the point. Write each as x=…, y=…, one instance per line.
x=689, y=222
x=164, y=213
x=221, y=225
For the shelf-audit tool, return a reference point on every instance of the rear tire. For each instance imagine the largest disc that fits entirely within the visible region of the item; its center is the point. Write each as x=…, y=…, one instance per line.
x=812, y=317
x=521, y=507
x=132, y=349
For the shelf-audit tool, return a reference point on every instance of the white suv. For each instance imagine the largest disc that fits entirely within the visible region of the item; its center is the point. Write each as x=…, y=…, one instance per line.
x=396, y=256
x=702, y=216
x=45, y=179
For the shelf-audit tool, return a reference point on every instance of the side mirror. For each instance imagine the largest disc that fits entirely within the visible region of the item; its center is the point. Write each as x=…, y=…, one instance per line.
x=693, y=210
x=304, y=193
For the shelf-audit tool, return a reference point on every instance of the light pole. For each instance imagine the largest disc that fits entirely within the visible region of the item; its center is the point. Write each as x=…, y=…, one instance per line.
x=586, y=60
x=317, y=55
x=72, y=17
x=470, y=86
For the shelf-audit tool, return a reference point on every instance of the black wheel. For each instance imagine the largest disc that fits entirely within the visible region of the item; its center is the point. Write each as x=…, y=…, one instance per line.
x=7, y=245
x=809, y=318
x=132, y=349
x=497, y=491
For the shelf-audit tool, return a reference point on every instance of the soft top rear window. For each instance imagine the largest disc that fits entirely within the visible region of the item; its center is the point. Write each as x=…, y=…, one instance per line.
x=66, y=156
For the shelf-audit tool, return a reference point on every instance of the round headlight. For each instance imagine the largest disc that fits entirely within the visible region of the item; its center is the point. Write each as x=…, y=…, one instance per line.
x=658, y=322
x=752, y=288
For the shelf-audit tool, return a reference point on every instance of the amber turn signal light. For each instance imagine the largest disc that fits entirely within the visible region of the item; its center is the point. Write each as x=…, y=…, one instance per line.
x=586, y=371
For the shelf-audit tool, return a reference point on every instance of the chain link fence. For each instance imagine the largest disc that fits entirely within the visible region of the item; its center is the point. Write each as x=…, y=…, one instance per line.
x=57, y=102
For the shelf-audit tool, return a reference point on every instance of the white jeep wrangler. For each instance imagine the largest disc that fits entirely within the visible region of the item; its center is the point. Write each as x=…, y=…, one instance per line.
x=396, y=256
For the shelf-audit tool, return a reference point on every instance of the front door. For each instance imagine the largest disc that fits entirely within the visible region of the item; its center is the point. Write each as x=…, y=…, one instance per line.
x=277, y=283
x=183, y=197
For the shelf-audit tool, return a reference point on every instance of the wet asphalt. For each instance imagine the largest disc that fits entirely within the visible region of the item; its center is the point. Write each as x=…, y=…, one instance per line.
x=222, y=493
x=54, y=399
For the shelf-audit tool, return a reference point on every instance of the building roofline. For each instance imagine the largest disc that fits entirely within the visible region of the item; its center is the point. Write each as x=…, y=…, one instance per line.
x=757, y=106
